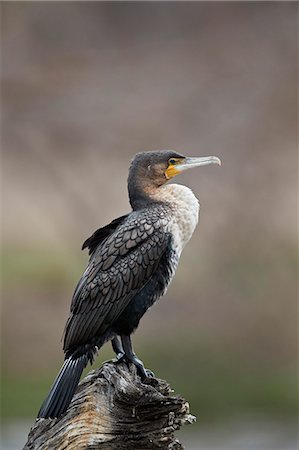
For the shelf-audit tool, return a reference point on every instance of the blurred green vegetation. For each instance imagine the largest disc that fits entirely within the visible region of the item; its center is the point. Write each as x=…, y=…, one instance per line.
x=210, y=383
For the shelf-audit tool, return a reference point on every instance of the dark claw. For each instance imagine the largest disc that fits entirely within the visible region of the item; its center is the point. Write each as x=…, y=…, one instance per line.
x=142, y=372
x=120, y=357
x=132, y=358
x=149, y=373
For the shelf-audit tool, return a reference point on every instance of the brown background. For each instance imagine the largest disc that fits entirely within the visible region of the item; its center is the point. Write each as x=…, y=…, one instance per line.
x=87, y=85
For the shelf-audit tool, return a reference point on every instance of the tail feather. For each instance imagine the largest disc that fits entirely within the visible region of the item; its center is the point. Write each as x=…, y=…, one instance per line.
x=63, y=388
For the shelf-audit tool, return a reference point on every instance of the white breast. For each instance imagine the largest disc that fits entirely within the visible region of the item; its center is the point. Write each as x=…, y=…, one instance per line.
x=185, y=213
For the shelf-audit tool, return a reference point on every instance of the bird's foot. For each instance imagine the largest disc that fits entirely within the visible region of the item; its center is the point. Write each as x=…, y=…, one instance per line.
x=118, y=358
x=149, y=373
x=141, y=370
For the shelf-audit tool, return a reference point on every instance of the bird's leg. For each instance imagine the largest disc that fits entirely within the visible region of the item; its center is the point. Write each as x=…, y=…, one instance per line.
x=130, y=356
x=117, y=348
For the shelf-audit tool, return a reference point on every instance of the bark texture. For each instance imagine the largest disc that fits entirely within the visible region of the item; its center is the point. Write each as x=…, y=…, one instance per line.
x=113, y=409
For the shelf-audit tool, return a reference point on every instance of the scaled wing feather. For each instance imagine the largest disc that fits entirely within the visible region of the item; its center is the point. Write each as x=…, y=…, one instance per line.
x=115, y=273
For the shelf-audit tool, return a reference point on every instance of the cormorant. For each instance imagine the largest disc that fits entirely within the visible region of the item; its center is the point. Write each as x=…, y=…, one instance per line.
x=132, y=261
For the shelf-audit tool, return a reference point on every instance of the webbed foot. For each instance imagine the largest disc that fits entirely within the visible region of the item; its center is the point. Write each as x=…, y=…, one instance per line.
x=131, y=357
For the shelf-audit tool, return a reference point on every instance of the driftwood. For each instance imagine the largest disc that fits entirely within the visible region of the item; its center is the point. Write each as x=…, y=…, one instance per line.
x=112, y=409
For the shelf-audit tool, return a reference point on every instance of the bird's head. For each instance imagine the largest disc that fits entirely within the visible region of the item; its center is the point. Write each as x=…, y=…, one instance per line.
x=150, y=170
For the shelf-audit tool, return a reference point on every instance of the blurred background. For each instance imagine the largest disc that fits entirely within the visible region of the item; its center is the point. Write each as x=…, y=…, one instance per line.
x=84, y=87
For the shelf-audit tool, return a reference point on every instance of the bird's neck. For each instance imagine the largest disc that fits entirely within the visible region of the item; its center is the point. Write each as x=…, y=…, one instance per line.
x=178, y=196
x=142, y=194
x=185, y=212
x=183, y=208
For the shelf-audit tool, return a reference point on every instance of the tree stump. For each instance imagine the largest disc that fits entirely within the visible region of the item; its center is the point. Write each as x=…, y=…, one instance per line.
x=112, y=409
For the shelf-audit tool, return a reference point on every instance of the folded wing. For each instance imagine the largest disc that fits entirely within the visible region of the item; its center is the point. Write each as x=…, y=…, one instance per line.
x=120, y=266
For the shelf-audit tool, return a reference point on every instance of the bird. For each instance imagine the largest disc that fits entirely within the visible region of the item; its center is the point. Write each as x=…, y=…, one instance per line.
x=132, y=262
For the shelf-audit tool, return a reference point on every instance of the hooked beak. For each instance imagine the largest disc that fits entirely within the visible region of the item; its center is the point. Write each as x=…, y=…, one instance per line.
x=188, y=163
x=197, y=161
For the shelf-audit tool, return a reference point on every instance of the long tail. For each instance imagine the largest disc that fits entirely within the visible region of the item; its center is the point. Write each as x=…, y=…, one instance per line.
x=63, y=388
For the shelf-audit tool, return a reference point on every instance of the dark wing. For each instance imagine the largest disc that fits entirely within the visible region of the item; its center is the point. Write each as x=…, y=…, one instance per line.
x=102, y=233
x=118, y=269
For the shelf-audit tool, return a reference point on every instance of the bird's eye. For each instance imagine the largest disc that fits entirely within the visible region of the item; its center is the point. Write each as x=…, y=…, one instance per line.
x=172, y=161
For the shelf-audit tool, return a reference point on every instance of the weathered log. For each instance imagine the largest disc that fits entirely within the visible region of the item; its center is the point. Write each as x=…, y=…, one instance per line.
x=112, y=409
